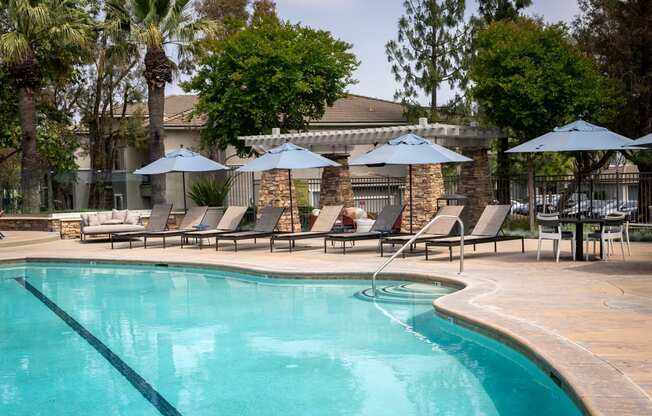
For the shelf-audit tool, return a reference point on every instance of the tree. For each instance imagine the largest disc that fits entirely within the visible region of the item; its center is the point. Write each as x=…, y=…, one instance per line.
x=268, y=75
x=42, y=40
x=495, y=10
x=530, y=78
x=618, y=35
x=153, y=26
x=432, y=48
x=230, y=15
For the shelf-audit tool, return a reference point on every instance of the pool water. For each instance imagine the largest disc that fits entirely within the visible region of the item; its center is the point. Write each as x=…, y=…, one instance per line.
x=171, y=341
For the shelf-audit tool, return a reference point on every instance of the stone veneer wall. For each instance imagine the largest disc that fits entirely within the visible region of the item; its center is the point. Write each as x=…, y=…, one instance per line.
x=475, y=184
x=68, y=228
x=336, y=186
x=428, y=186
x=275, y=191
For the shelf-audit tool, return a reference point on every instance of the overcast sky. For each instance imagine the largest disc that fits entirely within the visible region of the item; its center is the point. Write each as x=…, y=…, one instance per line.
x=369, y=24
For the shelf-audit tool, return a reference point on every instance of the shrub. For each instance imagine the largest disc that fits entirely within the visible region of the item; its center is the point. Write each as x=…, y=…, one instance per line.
x=210, y=192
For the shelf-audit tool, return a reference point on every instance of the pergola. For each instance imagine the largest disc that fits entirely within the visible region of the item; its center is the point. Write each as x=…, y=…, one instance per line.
x=474, y=142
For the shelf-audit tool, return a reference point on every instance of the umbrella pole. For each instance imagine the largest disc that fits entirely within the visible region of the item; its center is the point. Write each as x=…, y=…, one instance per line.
x=183, y=179
x=291, y=212
x=411, y=206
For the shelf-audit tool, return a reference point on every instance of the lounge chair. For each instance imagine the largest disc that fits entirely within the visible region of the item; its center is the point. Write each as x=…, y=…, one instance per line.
x=191, y=219
x=158, y=221
x=487, y=230
x=228, y=223
x=265, y=227
x=383, y=227
x=323, y=226
x=440, y=229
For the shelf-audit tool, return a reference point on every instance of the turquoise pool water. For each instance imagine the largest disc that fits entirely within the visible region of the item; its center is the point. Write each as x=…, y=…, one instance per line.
x=141, y=340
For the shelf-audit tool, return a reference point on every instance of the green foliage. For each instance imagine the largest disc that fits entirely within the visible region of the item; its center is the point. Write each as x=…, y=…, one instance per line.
x=210, y=192
x=619, y=35
x=272, y=74
x=58, y=144
x=494, y=10
x=530, y=78
x=432, y=48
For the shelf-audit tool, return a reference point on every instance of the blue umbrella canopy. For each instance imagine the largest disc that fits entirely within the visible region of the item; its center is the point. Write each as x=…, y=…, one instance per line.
x=643, y=142
x=180, y=160
x=287, y=156
x=578, y=136
x=409, y=149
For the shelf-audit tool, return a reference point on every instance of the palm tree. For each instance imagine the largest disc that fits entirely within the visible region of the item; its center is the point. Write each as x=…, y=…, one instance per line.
x=155, y=25
x=40, y=40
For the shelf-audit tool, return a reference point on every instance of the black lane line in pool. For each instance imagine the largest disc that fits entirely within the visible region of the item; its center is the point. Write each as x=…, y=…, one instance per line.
x=146, y=389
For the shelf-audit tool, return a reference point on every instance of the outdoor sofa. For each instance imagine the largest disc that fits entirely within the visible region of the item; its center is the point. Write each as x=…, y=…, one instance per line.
x=265, y=227
x=322, y=226
x=487, y=230
x=158, y=221
x=109, y=222
x=442, y=228
x=214, y=226
x=383, y=227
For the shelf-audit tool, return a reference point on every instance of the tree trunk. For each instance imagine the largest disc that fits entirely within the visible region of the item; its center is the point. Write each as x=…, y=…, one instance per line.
x=532, y=206
x=503, y=193
x=30, y=172
x=156, y=106
x=158, y=72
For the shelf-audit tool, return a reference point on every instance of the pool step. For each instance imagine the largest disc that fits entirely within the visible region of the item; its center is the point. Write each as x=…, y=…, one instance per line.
x=406, y=293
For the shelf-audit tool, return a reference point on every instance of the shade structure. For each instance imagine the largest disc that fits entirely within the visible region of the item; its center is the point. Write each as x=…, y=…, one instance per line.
x=578, y=136
x=409, y=149
x=287, y=156
x=644, y=142
x=181, y=160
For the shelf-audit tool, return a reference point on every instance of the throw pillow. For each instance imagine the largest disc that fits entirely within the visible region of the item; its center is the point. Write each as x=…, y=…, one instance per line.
x=119, y=215
x=93, y=220
x=133, y=218
x=104, y=216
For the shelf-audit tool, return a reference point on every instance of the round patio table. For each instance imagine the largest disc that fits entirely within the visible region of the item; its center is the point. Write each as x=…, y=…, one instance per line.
x=579, y=233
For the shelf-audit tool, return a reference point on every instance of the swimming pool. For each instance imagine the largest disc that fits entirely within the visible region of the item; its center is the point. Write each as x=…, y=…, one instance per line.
x=100, y=339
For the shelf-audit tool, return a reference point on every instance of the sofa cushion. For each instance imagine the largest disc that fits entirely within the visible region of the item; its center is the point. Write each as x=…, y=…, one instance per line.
x=113, y=221
x=104, y=216
x=119, y=215
x=132, y=218
x=85, y=219
x=117, y=228
x=93, y=220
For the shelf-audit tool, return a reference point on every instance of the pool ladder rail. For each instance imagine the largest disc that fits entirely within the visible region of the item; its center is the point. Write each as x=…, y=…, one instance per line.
x=412, y=240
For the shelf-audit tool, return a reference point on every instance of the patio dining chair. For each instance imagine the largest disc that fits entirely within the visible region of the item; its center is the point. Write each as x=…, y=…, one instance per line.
x=611, y=229
x=550, y=229
x=625, y=228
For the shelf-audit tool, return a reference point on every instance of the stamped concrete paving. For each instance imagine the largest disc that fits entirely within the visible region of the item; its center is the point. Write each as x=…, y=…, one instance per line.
x=592, y=322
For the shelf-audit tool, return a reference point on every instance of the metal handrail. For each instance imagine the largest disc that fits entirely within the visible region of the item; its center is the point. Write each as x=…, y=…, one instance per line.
x=417, y=235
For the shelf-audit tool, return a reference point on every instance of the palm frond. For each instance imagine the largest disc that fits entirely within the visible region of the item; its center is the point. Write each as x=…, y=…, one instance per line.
x=14, y=47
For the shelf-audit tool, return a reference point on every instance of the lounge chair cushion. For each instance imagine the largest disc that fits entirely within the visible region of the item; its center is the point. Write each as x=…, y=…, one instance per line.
x=109, y=229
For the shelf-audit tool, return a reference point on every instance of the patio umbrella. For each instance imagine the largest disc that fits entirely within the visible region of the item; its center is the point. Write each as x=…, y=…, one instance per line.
x=181, y=160
x=287, y=156
x=643, y=142
x=578, y=136
x=409, y=149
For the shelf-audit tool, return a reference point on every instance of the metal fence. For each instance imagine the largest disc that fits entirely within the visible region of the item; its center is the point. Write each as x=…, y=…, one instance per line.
x=597, y=196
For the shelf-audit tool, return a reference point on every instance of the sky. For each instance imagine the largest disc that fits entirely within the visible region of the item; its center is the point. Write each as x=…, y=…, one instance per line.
x=369, y=24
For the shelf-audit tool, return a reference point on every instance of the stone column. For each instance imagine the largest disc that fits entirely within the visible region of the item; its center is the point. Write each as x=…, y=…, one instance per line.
x=428, y=186
x=475, y=184
x=275, y=191
x=336, y=186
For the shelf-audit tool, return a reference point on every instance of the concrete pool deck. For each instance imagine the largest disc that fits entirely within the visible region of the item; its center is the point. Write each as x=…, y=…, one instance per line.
x=592, y=322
